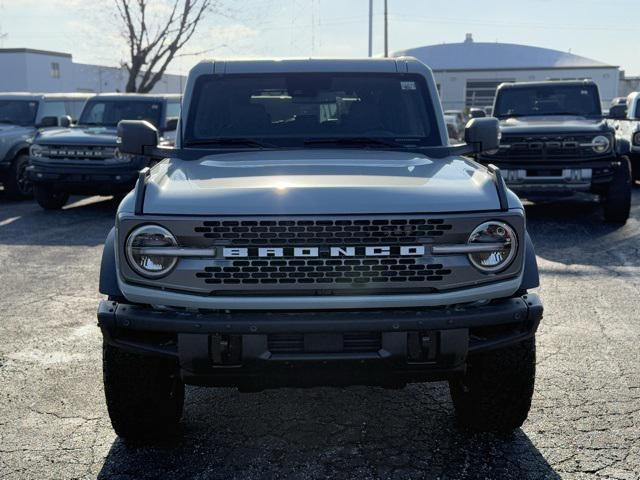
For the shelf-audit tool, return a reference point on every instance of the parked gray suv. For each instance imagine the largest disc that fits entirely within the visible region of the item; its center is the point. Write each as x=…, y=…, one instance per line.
x=21, y=114
x=313, y=226
x=84, y=159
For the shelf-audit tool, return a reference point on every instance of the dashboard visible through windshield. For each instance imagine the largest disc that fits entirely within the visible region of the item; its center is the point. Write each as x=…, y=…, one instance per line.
x=289, y=109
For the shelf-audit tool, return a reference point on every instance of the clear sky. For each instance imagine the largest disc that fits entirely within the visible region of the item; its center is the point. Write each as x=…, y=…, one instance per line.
x=605, y=30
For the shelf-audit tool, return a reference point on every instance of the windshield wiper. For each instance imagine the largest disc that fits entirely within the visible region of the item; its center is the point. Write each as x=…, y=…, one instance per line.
x=7, y=121
x=353, y=141
x=232, y=141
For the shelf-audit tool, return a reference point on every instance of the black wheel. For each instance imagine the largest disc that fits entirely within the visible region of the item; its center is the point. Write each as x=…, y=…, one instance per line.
x=17, y=184
x=50, y=199
x=495, y=393
x=144, y=394
x=617, y=199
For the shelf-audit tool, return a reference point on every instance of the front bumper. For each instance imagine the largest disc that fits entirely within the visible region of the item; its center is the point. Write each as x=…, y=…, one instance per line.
x=546, y=176
x=256, y=350
x=86, y=179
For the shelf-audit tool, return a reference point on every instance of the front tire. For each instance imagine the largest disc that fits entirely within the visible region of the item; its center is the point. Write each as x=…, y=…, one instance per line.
x=49, y=199
x=17, y=185
x=144, y=394
x=617, y=200
x=495, y=393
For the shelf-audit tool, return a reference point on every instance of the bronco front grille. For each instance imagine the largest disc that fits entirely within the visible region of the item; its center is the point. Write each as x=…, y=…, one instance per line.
x=83, y=152
x=546, y=147
x=349, y=271
x=340, y=263
x=322, y=232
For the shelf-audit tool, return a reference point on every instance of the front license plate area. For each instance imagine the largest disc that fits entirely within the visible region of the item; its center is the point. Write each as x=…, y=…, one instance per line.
x=323, y=342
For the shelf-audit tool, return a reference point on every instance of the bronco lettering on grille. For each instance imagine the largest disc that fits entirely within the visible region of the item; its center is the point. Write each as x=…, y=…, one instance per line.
x=299, y=252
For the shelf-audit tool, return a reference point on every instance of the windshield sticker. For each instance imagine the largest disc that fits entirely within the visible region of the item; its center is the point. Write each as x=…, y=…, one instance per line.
x=408, y=85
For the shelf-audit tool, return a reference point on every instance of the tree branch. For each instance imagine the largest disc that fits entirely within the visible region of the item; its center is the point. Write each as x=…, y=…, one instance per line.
x=151, y=54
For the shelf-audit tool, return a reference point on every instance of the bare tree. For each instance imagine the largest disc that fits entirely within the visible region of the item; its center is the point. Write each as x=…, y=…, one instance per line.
x=153, y=43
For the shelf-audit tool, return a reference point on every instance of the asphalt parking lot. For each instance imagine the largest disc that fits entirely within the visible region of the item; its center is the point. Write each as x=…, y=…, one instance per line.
x=584, y=423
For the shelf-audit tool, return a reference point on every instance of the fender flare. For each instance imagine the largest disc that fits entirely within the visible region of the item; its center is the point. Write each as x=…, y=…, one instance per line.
x=13, y=151
x=108, y=268
x=623, y=147
x=530, y=276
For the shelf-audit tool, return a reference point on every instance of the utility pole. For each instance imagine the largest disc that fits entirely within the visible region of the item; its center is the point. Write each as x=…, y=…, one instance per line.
x=370, y=28
x=386, y=30
x=3, y=36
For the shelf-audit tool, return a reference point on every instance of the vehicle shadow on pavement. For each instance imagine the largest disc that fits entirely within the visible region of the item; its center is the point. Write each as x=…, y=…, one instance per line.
x=83, y=221
x=573, y=232
x=355, y=432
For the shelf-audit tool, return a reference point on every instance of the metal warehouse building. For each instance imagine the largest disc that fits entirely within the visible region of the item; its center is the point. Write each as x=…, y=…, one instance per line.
x=29, y=70
x=468, y=73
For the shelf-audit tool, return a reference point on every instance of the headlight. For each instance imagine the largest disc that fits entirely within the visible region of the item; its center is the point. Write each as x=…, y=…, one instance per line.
x=115, y=156
x=141, y=255
x=37, y=151
x=497, y=246
x=600, y=144
x=636, y=138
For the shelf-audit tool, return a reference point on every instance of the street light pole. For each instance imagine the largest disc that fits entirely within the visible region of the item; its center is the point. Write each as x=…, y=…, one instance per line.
x=386, y=30
x=370, y=28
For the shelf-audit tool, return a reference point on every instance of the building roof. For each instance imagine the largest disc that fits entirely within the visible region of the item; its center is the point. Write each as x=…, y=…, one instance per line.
x=138, y=96
x=470, y=55
x=45, y=96
x=34, y=51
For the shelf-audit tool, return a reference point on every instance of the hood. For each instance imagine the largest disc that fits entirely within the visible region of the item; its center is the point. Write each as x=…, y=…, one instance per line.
x=554, y=124
x=105, y=136
x=8, y=131
x=298, y=182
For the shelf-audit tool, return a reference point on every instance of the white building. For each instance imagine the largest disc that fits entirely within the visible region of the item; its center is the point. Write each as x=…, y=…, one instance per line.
x=468, y=73
x=28, y=70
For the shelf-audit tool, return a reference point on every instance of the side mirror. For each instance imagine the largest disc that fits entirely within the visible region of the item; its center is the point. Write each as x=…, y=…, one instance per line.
x=618, y=112
x=65, y=121
x=135, y=136
x=47, y=122
x=171, y=124
x=477, y=113
x=483, y=134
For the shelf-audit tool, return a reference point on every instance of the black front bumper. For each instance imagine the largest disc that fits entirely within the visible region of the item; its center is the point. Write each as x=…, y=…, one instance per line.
x=540, y=173
x=86, y=179
x=255, y=350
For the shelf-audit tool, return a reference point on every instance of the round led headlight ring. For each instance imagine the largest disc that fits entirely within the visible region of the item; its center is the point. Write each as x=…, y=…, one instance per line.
x=498, y=234
x=150, y=265
x=600, y=144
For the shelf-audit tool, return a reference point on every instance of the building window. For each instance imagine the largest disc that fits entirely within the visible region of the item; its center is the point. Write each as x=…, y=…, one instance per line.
x=481, y=93
x=55, y=70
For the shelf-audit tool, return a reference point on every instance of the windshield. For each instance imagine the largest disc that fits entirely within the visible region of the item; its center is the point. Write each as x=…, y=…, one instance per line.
x=18, y=112
x=290, y=109
x=580, y=100
x=107, y=113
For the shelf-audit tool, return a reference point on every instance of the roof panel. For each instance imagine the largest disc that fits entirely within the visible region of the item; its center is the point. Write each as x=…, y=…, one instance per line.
x=471, y=55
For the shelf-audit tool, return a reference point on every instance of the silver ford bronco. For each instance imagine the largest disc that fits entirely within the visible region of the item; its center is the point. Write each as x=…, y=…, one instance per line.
x=313, y=226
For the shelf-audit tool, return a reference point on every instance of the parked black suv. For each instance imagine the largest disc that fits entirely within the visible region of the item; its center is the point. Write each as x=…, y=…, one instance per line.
x=84, y=159
x=555, y=141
